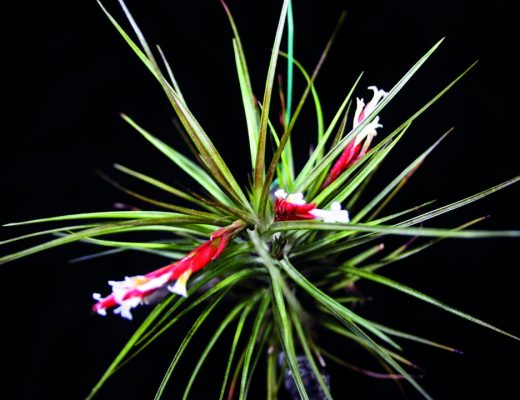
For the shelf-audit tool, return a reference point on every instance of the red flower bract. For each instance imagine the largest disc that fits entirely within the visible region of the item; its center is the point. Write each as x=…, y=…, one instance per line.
x=139, y=289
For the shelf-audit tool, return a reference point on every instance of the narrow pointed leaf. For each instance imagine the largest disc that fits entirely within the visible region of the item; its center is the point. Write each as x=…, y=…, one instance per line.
x=421, y=296
x=248, y=98
x=187, y=339
x=253, y=338
x=380, y=196
x=336, y=150
x=184, y=163
x=105, y=229
x=234, y=345
x=266, y=104
x=282, y=320
x=211, y=343
x=161, y=185
x=393, y=230
x=209, y=153
x=350, y=320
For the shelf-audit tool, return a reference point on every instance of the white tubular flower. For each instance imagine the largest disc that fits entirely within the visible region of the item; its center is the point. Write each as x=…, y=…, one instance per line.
x=180, y=284
x=367, y=134
x=280, y=194
x=335, y=214
x=296, y=198
x=293, y=207
x=363, y=111
x=127, y=305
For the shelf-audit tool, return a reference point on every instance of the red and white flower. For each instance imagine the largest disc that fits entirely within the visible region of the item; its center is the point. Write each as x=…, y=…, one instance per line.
x=291, y=207
x=143, y=289
x=358, y=147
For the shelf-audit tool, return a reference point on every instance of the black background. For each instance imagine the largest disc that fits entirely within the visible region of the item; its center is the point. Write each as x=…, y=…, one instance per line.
x=68, y=77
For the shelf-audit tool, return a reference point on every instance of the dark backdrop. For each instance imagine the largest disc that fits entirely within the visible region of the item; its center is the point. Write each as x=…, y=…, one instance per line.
x=69, y=75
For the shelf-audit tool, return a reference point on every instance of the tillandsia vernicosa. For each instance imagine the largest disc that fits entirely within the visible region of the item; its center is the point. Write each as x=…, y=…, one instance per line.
x=280, y=258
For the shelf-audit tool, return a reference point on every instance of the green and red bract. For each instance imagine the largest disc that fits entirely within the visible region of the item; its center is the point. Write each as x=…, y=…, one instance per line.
x=293, y=207
x=354, y=151
x=145, y=289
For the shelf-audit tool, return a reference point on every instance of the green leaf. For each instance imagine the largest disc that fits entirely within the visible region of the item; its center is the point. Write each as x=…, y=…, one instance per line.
x=271, y=372
x=210, y=156
x=381, y=195
x=303, y=340
x=345, y=315
x=212, y=341
x=142, y=56
x=309, y=177
x=369, y=164
x=169, y=319
x=234, y=345
x=100, y=215
x=104, y=229
x=421, y=296
x=290, y=62
x=136, y=245
x=188, y=166
x=414, y=338
x=350, y=320
x=248, y=98
x=287, y=154
x=282, y=321
x=129, y=346
x=460, y=203
x=47, y=232
x=393, y=230
x=317, y=154
x=319, y=116
x=341, y=330
x=286, y=135
x=412, y=221
x=170, y=75
x=187, y=339
x=161, y=185
x=168, y=206
x=363, y=371
x=264, y=117
x=249, y=105
x=253, y=338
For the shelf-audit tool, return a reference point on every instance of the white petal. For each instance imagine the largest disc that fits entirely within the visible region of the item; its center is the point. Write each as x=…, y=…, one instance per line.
x=378, y=94
x=376, y=98
x=369, y=131
x=124, y=312
x=180, y=285
x=126, y=306
x=341, y=216
x=335, y=206
x=96, y=296
x=320, y=214
x=154, y=283
x=280, y=194
x=335, y=214
x=102, y=311
x=296, y=198
x=360, y=105
x=179, y=288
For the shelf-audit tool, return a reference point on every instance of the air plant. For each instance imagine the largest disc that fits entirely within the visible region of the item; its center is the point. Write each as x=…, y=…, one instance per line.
x=280, y=256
